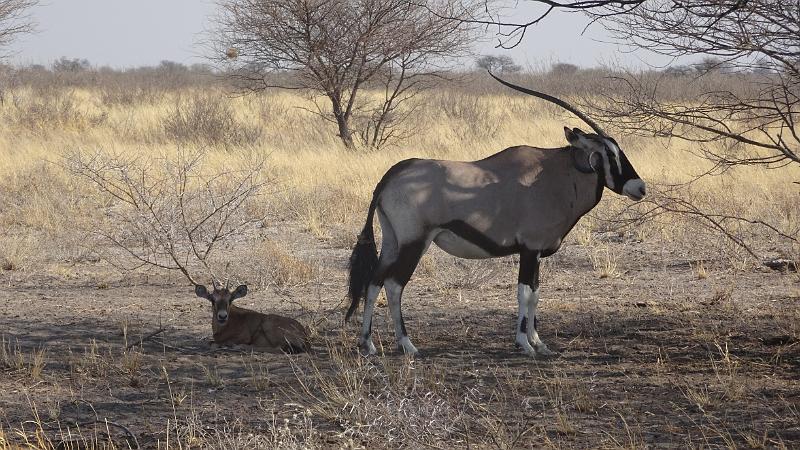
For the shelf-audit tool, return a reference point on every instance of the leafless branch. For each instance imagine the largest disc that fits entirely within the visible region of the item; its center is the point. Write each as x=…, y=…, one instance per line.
x=164, y=212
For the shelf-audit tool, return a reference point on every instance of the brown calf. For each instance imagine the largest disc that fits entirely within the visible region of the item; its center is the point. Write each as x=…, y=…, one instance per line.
x=264, y=332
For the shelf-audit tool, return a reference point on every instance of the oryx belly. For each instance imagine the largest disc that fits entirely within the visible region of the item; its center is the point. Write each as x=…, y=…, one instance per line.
x=460, y=247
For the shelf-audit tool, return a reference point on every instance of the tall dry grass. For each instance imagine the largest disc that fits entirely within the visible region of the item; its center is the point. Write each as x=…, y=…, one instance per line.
x=319, y=184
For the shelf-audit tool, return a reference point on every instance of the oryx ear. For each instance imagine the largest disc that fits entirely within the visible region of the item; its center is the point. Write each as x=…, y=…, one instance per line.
x=240, y=291
x=201, y=291
x=595, y=160
x=573, y=136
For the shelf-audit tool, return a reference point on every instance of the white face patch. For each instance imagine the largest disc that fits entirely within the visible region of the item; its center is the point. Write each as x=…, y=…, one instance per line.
x=607, y=170
x=614, y=149
x=635, y=189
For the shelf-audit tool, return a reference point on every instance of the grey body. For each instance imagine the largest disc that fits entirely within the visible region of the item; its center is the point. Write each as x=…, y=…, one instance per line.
x=509, y=198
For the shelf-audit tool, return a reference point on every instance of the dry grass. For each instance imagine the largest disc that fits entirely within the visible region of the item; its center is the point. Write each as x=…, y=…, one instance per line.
x=660, y=323
x=320, y=184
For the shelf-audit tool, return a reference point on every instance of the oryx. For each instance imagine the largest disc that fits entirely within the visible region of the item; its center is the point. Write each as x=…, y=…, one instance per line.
x=522, y=200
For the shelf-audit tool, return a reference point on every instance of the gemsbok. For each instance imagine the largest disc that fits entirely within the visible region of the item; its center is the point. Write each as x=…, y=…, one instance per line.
x=233, y=325
x=522, y=200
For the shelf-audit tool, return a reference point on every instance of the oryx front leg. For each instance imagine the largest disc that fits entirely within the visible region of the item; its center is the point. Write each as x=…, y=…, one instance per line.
x=365, y=340
x=523, y=296
x=528, y=300
x=532, y=334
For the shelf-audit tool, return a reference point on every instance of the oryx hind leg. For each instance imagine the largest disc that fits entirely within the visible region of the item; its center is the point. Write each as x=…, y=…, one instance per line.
x=396, y=280
x=388, y=257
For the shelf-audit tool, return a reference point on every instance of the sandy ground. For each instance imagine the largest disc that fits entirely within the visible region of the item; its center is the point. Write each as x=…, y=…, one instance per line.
x=652, y=355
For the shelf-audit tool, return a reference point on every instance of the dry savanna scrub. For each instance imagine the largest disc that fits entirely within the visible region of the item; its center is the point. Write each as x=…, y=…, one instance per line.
x=670, y=332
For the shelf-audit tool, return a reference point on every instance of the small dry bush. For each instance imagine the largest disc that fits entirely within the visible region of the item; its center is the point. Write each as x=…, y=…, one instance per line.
x=225, y=434
x=53, y=109
x=121, y=96
x=270, y=264
x=14, y=359
x=382, y=400
x=208, y=120
x=39, y=433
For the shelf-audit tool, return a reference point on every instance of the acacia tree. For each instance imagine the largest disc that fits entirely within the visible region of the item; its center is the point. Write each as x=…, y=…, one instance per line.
x=14, y=20
x=498, y=63
x=338, y=48
x=759, y=38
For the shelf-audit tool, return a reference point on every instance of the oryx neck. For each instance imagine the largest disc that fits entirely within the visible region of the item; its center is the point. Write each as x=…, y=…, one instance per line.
x=582, y=161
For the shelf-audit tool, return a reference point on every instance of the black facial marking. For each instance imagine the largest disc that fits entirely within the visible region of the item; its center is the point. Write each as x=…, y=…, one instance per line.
x=523, y=327
x=622, y=174
x=478, y=239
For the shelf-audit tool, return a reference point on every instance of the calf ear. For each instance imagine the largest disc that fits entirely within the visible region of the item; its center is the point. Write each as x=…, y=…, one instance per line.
x=240, y=291
x=201, y=291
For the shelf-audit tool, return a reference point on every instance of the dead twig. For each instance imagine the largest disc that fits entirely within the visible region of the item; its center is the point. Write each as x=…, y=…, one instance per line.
x=146, y=338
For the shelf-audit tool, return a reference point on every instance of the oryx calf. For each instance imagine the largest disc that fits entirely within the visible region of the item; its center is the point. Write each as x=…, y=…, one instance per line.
x=233, y=325
x=523, y=200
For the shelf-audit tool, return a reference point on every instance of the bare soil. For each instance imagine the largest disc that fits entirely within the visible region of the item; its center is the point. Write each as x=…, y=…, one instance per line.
x=651, y=355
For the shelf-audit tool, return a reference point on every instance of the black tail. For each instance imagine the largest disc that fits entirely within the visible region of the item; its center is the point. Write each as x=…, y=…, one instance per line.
x=363, y=261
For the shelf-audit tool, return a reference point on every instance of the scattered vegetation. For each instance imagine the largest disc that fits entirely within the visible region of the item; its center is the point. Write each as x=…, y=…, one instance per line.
x=672, y=333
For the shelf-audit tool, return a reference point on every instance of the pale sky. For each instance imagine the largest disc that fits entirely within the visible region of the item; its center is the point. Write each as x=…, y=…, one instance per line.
x=129, y=33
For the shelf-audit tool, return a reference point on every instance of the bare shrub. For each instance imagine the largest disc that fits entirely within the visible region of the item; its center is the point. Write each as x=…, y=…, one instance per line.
x=127, y=96
x=50, y=109
x=165, y=212
x=208, y=120
x=382, y=400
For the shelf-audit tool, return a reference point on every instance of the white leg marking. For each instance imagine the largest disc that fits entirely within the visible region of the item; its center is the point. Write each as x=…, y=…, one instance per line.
x=533, y=335
x=365, y=340
x=523, y=300
x=394, y=293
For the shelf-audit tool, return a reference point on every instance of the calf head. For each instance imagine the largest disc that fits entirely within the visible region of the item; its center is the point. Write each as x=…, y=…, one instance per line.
x=221, y=299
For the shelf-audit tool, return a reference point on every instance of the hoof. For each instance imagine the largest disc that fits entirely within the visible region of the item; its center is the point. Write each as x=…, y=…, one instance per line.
x=367, y=348
x=522, y=343
x=407, y=347
x=542, y=350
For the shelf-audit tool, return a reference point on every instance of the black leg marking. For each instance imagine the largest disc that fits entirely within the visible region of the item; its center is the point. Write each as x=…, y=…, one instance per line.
x=535, y=323
x=529, y=268
x=523, y=327
x=406, y=263
x=399, y=306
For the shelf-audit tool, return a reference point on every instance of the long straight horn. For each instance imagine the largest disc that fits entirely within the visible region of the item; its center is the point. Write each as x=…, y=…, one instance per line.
x=227, y=275
x=557, y=101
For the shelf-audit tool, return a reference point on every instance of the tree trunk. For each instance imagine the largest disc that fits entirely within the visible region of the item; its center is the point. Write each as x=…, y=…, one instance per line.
x=343, y=122
x=345, y=134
